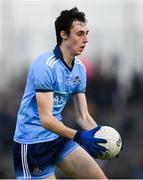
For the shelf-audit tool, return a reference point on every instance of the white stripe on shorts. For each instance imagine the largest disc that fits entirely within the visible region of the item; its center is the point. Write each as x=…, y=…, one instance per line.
x=24, y=161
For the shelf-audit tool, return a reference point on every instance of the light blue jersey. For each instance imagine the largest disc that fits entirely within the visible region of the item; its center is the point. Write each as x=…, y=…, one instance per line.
x=48, y=73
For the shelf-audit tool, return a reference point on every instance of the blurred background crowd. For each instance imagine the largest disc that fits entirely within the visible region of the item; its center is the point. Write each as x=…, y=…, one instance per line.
x=114, y=64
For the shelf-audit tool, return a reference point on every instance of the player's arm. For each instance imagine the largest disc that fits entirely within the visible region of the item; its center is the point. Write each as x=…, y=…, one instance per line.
x=88, y=124
x=48, y=121
x=83, y=118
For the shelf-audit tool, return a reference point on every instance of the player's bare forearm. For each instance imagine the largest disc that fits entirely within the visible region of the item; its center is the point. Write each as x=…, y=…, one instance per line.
x=83, y=118
x=90, y=120
x=48, y=121
x=85, y=121
x=51, y=123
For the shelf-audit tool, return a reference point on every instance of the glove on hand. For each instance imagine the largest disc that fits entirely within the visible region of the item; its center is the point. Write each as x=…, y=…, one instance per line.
x=90, y=143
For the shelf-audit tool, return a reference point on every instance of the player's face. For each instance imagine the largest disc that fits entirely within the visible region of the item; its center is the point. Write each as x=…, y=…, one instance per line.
x=77, y=38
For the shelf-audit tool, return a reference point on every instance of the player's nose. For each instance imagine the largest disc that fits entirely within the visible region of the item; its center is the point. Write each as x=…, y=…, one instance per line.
x=85, y=39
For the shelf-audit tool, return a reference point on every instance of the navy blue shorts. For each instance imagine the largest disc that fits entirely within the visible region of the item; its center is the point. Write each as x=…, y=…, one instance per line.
x=39, y=160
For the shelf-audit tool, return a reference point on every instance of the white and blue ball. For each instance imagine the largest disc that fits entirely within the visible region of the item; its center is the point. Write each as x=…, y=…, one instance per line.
x=114, y=142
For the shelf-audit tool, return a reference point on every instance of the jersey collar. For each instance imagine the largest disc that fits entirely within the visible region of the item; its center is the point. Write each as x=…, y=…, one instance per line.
x=59, y=55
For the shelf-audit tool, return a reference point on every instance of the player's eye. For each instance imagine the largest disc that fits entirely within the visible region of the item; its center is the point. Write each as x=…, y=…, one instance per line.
x=80, y=33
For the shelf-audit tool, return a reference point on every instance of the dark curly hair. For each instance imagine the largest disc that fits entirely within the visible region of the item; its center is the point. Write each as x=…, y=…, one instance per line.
x=65, y=20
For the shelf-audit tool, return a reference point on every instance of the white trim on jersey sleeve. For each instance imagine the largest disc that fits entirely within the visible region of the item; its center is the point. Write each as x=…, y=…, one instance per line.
x=78, y=61
x=50, y=60
x=54, y=63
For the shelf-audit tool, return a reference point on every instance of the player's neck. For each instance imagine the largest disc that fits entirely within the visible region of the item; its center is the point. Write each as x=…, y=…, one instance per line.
x=68, y=57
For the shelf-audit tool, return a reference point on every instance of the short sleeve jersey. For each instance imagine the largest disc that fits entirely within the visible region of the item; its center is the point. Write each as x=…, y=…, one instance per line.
x=48, y=72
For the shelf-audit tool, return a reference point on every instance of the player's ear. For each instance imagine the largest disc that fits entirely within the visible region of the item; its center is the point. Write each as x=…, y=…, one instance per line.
x=64, y=35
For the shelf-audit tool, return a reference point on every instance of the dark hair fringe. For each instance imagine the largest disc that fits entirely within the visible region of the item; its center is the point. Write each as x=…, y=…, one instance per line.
x=65, y=20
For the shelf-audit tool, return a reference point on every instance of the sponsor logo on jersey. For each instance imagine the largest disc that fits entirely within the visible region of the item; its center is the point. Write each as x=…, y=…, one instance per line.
x=77, y=80
x=60, y=98
x=71, y=81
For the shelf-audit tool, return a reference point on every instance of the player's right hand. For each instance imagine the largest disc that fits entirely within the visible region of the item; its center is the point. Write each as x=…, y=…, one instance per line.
x=89, y=142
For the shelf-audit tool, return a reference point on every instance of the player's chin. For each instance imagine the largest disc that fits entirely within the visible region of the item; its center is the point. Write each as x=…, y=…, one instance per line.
x=78, y=53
